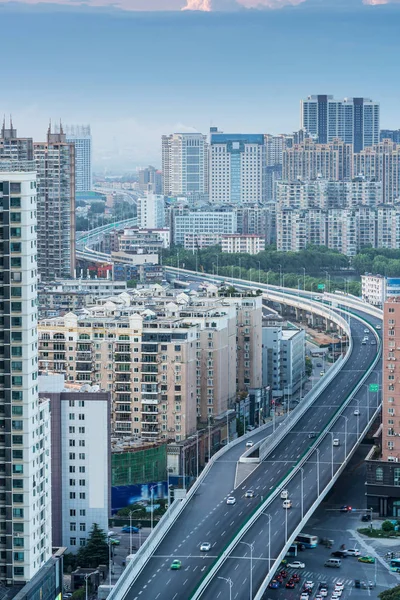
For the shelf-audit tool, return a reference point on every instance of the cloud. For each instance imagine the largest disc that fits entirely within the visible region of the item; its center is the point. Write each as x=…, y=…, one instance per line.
x=268, y=3
x=379, y=2
x=204, y=5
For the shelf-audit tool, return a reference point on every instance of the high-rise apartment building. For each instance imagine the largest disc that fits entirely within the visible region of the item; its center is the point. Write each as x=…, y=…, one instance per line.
x=185, y=221
x=25, y=502
x=381, y=163
x=12, y=147
x=185, y=164
x=390, y=378
x=150, y=180
x=237, y=168
x=354, y=120
x=81, y=137
x=309, y=160
x=390, y=134
x=55, y=167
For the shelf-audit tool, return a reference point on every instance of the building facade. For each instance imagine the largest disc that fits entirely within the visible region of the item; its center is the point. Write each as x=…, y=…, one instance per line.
x=25, y=423
x=151, y=212
x=81, y=138
x=373, y=289
x=309, y=160
x=356, y=121
x=247, y=244
x=185, y=164
x=202, y=221
x=55, y=167
x=81, y=460
x=381, y=163
x=237, y=168
x=150, y=180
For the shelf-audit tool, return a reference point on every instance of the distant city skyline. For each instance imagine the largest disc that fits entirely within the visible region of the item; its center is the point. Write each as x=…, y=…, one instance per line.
x=222, y=69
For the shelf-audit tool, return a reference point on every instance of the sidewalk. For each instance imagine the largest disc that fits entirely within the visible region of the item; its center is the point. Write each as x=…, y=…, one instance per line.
x=373, y=546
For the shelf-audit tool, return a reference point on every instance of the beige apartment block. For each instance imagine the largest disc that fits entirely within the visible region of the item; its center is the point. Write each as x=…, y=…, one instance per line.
x=169, y=361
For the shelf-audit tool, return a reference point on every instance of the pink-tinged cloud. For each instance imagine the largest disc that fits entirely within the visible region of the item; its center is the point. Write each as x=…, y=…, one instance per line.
x=204, y=5
x=268, y=3
x=380, y=2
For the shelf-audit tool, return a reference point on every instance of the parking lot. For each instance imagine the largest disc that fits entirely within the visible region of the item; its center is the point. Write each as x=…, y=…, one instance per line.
x=329, y=522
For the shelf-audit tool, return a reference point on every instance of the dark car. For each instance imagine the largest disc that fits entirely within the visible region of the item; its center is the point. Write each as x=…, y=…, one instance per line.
x=283, y=573
x=339, y=554
x=319, y=364
x=366, y=518
x=323, y=585
x=274, y=584
x=291, y=584
x=345, y=508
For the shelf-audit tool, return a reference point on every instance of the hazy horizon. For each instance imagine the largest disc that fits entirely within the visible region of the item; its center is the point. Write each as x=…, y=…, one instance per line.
x=134, y=76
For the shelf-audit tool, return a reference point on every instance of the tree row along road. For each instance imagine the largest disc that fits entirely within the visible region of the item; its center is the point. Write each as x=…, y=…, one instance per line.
x=207, y=517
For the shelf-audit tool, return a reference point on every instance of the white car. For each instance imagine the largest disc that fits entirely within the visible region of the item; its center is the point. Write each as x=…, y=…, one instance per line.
x=304, y=596
x=249, y=494
x=338, y=592
x=336, y=442
x=287, y=504
x=366, y=330
x=378, y=327
x=249, y=444
x=339, y=585
x=356, y=412
x=296, y=564
x=353, y=552
x=231, y=500
x=309, y=585
x=284, y=494
x=323, y=592
x=205, y=547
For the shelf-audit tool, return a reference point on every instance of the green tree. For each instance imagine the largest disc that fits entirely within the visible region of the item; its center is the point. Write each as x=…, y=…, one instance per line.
x=96, y=550
x=79, y=594
x=387, y=526
x=393, y=594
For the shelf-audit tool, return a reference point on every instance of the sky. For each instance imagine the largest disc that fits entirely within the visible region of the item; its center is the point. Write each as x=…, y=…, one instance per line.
x=137, y=69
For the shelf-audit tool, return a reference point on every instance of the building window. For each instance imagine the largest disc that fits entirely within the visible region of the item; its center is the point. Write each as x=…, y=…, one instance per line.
x=379, y=474
x=396, y=476
x=82, y=526
x=19, y=571
x=72, y=541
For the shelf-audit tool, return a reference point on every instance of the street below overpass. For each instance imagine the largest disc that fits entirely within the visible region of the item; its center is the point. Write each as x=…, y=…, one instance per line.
x=207, y=517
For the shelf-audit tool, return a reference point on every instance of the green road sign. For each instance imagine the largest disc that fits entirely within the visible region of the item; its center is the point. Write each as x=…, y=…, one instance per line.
x=374, y=387
x=321, y=286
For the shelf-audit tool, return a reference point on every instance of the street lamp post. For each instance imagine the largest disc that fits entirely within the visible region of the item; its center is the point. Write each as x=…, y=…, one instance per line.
x=269, y=538
x=251, y=546
x=317, y=451
x=209, y=438
x=259, y=271
x=86, y=585
x=280, y=276
x=332, y=434
x=302, y=491
x=304, y=278
x=345, y=435
x=197, y=454
x=151, y=505
x=240, y=268
x=230, y=582
x=109, y=561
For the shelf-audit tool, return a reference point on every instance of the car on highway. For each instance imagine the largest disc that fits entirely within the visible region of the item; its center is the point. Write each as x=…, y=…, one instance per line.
x=176, y=565
x=114, y=542
x=284, y=494
x=318, y=597
x=296, y=564
x=274, y=584
x=287, y=504
x=322, y=373
x=205, y=547
x=291, y=584
x=366, y=330
x=308, y=585
x=319, y=364
x=249, y=444
x=304, y=596
x=249, y=494
x=339, y=554
x=345, y=509
x=129, y=529
x=356, y=412
x=231, y=500
x=312, y=435
x=339, y=585
x=366, y=559
x=353, y=552
x=323, y=592
x=378, y=327
x=336, y=442
x=373, y=342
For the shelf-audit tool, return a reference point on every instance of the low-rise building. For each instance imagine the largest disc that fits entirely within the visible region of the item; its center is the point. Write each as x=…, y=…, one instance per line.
x=247, y=244
x=373, y=289
x=283, y=358
x=195, y=241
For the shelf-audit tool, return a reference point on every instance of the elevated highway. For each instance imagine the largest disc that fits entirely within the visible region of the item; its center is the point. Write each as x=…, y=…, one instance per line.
x=252, y=535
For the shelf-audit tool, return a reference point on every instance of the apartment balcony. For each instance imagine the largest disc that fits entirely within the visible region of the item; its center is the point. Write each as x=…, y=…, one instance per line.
x=149, y=410
x=84, y=367
x=151, y=401
x=121, y=388
x=122, y=368
x=150, y=348
x=149, y=420
x=149, y=369
x=83, y=356
x=87, y=348
x=122, y=358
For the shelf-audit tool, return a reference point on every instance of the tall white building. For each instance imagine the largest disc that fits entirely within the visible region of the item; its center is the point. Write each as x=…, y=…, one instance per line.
x=81, y=455
x=81, y=137
x=25, y=502
x=185, y=164
x=151, y=212
x=237, y=168
x=353, y=120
